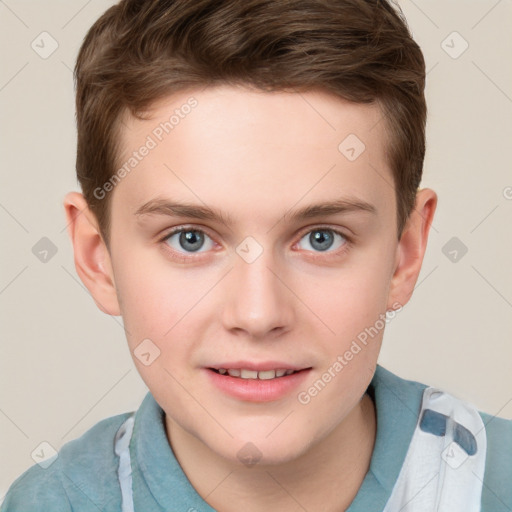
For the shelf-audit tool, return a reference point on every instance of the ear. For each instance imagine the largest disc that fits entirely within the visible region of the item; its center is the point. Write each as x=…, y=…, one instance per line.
x=92, y=258
x=411, y=248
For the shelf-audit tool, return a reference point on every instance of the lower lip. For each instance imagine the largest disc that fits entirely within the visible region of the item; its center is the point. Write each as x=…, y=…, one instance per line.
x=257, y=390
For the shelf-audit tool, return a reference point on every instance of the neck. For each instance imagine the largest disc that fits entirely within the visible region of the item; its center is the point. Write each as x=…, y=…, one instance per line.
x=327, y=477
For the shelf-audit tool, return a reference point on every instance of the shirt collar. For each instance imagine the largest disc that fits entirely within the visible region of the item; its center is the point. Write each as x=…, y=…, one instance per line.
x=163, y=476
x=397, y=403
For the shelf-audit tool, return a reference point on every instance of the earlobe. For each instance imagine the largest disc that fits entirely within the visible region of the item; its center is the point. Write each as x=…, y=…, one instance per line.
x=411, y=248
x=91, y=255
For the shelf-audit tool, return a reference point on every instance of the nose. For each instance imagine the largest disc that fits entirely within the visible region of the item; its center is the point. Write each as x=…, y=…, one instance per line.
x=258, y=302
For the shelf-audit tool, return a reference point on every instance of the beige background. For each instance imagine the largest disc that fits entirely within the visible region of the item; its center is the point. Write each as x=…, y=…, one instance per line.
x=64, y=364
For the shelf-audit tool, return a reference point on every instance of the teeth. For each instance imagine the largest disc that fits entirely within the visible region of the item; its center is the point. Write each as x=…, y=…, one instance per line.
x=268, y=374
x=253, y=374
x=249, y=374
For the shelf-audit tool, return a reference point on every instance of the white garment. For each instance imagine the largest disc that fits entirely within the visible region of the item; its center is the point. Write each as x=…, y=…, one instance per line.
x=124, y=471
x=444, y=467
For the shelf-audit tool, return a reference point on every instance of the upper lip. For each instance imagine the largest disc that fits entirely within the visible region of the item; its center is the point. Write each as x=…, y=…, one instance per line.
x=259, y=367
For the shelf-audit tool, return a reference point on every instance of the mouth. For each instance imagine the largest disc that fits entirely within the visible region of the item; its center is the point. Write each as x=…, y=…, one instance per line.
x=257, y=381
x=244, y=373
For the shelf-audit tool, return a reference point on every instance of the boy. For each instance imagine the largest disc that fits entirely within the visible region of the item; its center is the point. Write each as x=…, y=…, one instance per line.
x=284, y=140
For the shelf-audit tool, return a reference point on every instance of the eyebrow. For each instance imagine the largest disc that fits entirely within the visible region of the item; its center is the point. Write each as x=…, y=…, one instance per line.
x=177, y=209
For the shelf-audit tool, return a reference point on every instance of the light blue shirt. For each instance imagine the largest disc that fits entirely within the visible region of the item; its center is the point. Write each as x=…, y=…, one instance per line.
x=84, y=477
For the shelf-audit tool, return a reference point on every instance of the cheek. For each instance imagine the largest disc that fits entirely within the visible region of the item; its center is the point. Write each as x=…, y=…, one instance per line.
x=168, y=306
x=350, y=300
x=154, y=315
x=150, y=301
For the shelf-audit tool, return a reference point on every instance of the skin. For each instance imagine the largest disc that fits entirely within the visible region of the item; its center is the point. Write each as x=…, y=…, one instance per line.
x=257, y=156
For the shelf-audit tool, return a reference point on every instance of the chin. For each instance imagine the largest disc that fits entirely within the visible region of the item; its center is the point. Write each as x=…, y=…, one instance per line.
x=261, y=451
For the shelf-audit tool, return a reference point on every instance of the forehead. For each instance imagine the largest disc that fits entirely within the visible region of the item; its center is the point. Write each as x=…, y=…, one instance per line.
x=273, y=148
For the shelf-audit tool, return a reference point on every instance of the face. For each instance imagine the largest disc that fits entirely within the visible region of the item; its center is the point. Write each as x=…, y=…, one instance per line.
x=252, y=234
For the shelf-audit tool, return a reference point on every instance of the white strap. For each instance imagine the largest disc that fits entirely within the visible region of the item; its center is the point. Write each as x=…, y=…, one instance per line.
x=444, y=467
x=124, y=471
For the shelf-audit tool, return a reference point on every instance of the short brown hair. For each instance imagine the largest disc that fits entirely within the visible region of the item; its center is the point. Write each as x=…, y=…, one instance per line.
x=140, y=51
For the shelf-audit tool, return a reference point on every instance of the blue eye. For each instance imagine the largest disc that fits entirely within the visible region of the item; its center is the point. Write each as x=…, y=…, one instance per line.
x=322, y=239
x=188, y=240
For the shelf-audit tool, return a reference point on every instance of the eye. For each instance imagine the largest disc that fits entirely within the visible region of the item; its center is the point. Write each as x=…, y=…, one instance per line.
x=188, y=240
x=323, y=239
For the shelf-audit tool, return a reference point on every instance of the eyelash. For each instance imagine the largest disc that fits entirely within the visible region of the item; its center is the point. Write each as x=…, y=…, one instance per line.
x=315, y=255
